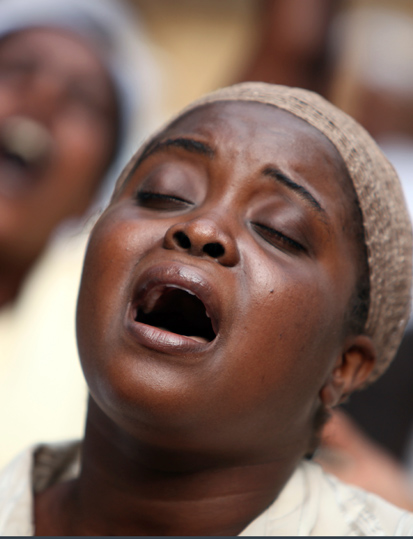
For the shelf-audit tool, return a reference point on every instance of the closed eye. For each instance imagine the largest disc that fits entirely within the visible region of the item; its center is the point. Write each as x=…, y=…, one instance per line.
x=160, y=201
x=277, y=238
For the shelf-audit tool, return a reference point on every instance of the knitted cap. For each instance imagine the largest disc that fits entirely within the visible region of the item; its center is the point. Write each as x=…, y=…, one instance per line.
x=386, y=222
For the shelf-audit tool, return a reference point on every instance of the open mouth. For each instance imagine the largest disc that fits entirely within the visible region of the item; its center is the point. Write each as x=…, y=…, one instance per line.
x=178, y=311
x=25, y=146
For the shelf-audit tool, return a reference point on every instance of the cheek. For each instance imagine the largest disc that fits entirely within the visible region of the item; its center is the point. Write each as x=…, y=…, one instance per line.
x=91, y=137
x=275, y=360
x=294, y=311
x=10, y=102
x=109, y=256
x=115, y=248
x=106, y=263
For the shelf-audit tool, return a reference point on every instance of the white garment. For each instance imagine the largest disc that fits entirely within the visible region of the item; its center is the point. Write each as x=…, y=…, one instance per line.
x=43, y=394
x=312, y=503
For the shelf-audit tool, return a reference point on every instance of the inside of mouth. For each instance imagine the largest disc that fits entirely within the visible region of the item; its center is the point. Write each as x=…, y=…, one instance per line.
x=24, y=143
x=14, y=159
x=179, y=312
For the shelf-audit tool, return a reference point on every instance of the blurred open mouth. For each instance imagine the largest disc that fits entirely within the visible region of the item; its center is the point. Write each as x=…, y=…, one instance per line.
x=25, y=148
x=177, y=311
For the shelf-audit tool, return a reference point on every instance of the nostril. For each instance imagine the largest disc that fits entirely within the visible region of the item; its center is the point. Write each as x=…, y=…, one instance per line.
x=215, y=250
x=182, y=240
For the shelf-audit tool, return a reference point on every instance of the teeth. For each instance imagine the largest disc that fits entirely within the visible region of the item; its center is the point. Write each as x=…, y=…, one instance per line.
x=25, y=138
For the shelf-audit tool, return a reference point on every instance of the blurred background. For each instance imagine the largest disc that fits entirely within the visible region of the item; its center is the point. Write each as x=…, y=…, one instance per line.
x=155, y=56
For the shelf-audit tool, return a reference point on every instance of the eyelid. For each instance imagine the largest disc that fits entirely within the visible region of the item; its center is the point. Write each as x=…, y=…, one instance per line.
x=143, y=196
x=280, y=237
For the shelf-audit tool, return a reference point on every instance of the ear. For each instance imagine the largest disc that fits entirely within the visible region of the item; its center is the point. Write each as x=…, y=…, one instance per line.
x=350, y=371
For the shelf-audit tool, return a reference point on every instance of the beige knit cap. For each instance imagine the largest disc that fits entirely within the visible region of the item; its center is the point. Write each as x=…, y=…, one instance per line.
x=387, y=227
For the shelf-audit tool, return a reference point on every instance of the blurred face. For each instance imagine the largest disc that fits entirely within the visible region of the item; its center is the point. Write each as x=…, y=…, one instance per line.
x=58, y=128
x=215, y=285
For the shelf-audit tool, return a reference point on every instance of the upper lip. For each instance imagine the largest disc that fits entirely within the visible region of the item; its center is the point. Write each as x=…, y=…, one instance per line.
x=183, y=277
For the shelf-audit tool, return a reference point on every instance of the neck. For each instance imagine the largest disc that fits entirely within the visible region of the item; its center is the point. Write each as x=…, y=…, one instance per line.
x=125, y=489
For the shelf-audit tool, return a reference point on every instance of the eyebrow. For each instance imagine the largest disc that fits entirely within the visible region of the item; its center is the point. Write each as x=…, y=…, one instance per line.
x=302, y=191
x=195, y=146
x=188, y=144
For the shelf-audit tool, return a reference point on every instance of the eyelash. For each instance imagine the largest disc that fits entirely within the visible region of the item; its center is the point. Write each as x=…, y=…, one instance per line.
x=265, y=231
x=155, y=200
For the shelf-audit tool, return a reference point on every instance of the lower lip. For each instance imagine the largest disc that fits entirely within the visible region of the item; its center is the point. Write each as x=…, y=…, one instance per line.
x=165, y=341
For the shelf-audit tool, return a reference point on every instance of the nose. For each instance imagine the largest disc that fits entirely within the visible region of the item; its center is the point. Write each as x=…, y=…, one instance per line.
x=203, y=237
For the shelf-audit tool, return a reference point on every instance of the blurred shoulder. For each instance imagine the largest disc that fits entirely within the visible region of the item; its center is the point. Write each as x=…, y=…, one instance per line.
x=33, y=470
x=314, y=503
x=358, y=511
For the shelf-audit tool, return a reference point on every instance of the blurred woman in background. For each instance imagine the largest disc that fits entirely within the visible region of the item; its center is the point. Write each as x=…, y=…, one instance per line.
x=77, y=93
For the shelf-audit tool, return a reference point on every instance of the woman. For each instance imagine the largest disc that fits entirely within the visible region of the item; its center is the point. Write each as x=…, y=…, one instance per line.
x=251, y=270
x=76, y=93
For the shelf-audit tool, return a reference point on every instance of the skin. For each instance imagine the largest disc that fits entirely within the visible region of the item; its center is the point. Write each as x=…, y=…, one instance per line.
x=192, y=438
x=56, y=79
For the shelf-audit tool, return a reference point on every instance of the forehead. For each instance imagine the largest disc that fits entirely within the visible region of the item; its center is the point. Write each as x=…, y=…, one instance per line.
x=248, y=136
x=52, y=45
x=254, y=129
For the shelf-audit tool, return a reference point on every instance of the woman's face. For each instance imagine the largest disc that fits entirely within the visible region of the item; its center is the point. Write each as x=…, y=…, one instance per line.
x=58, y=131
x=215, y=285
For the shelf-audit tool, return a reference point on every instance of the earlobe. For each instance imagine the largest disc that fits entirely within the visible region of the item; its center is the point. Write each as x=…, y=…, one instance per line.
x=350, y=371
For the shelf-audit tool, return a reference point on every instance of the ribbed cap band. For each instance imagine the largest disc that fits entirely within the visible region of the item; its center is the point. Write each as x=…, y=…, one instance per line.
x=387, y=227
